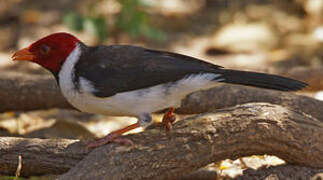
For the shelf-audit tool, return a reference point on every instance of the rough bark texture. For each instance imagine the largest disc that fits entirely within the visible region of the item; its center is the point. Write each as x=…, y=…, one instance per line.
x=231, y=95
x=33, y=92
x=255, y=128
x=39, y=156
x=195, y=142
x=29, y=92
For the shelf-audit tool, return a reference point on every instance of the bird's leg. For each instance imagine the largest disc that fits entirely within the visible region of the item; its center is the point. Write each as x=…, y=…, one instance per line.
x=114, y=137
x=168, y=119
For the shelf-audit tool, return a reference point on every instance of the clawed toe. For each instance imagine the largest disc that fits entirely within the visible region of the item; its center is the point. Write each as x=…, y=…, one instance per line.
x=113, y=137
x=168, y=120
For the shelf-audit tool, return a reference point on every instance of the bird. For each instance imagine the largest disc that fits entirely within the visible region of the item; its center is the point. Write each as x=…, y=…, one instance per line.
x=127, y=80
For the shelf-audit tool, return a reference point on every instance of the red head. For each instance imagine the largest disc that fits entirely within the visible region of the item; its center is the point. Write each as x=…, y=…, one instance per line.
x=50, y=51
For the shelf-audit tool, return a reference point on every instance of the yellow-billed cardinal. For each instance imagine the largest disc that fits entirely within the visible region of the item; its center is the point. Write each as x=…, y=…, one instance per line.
x=123, y=80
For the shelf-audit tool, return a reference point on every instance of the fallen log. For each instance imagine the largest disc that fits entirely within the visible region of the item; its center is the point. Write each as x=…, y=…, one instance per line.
x=254, y=128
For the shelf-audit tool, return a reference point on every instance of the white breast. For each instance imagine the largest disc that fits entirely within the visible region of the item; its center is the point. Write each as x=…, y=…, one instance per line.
x=132, y=103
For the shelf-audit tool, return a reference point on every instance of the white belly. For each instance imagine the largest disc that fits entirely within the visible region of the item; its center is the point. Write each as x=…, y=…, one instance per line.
x=134, y=103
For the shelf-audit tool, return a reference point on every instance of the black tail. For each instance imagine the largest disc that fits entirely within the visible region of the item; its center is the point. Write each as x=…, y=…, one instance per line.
x=262, y=80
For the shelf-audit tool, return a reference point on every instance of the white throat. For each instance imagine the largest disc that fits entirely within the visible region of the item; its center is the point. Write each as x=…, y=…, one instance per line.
x=66, y=74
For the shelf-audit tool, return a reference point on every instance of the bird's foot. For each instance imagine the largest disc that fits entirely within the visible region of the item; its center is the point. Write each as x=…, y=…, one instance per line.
x=168, y=119
x=113, y=137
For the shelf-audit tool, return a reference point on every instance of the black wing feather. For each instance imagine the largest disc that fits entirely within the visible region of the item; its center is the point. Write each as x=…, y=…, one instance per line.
x=262, y=80
x=115, y=69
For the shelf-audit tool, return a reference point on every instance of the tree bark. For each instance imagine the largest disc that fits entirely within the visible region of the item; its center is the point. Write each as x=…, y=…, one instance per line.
x=34, y=92
x=39, y=156
x=228, y=95
x=254, y=128
x=195, y=142
x=29, y=92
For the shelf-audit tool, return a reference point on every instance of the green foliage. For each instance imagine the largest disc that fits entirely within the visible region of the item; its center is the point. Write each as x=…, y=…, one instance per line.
x=96, y=26
x=73, y=21
x=153, y=33
x=135, y=21
x=132, y=19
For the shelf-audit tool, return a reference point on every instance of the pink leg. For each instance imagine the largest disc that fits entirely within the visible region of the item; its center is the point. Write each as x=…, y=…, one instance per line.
x=113, y=137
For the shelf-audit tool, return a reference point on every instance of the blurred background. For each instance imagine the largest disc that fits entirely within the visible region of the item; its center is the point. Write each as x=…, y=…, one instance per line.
x=243, y=34
x=281, y=37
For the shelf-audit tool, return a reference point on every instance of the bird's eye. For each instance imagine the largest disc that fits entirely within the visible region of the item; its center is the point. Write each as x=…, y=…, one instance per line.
x=44, y=49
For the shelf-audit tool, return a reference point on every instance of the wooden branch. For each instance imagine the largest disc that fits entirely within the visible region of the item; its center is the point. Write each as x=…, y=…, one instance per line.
x=254, y=128
x=33, y=92
x=195, y=142
x=230, y=95
x=39, y=156
x=29, y=92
